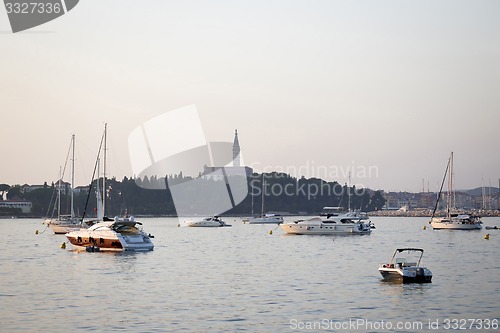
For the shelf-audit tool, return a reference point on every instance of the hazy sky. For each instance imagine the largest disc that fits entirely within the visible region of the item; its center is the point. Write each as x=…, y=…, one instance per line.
x=389, y=87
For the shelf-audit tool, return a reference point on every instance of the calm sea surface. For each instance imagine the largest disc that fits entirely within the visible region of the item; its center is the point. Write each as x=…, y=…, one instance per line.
x=244, y=279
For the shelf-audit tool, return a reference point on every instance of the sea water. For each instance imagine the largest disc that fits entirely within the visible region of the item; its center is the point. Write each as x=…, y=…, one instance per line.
x=244, y=278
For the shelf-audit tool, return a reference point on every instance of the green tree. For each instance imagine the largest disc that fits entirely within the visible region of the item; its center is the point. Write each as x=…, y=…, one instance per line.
x=15, y=193
x=377, y=201
x=3, y=188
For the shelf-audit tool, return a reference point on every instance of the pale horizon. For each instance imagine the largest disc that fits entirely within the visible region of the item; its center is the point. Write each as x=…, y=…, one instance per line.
x=319, y=87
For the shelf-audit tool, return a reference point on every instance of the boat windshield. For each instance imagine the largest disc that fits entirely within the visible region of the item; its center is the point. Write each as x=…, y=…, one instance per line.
x=125, y=228
x=407, y=256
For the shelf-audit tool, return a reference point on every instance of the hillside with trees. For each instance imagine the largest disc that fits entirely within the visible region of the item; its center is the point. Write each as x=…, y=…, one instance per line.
x=151, y=196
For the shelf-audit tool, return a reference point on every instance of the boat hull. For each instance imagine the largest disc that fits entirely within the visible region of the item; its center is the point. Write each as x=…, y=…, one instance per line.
x=206, y=224
x=415, y=275
x=61, y=227
x=209, y=222
x=455, y=225
x=325, y=229
x=116, y=244
x=265, y=220
x=105, y=239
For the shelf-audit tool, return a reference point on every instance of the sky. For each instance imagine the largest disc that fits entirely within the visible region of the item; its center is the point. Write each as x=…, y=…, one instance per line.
x=383, y=89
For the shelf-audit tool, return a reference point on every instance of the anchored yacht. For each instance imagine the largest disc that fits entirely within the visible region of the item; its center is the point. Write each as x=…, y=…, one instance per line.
x=120, y=234
x=331, y=225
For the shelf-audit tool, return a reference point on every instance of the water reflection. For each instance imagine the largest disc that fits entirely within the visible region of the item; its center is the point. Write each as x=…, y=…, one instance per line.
x=240, y=278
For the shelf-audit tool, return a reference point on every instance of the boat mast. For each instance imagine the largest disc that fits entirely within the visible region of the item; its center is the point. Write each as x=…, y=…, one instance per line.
x=104, y=172
x=99, y=202
x=452, y=176
x=262, y=201
x=72, y=177
x=59, y=195
x=252, y=202
x=99, y=207
x=451, y=194
x=349, y=193
x=441, y=189
x=483, y=193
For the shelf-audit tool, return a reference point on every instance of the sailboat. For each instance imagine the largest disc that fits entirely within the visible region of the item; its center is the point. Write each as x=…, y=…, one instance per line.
x=452, y=220
x=118, y=234
x=264, y=218
x=65, y=223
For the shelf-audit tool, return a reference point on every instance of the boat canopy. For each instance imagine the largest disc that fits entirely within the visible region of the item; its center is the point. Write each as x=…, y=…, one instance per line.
x=410, y=249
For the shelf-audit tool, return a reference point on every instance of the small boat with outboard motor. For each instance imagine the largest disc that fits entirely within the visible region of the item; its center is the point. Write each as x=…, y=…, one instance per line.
x=399, y=269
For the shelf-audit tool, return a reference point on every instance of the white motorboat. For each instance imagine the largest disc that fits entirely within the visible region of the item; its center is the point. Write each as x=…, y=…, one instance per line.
x=401, y=270
x=328, y=226
x=120, y=234
x=266, y=219
x=452, y=221
x=210, y=222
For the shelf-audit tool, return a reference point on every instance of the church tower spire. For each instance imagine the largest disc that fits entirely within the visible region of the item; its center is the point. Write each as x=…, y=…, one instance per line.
x=236, y=150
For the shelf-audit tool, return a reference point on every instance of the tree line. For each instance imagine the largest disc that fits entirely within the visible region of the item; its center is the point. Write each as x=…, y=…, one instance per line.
x=281, y=193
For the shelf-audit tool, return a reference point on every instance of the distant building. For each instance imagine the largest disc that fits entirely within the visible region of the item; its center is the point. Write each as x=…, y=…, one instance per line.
x=79, y=189
x=235, y=170
x=397, y=200
x=65, y=187
x=24, y=205
x=28, y=188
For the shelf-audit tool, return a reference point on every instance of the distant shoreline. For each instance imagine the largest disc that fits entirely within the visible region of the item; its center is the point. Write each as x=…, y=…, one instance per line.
x=428, y=213
x=380, y=213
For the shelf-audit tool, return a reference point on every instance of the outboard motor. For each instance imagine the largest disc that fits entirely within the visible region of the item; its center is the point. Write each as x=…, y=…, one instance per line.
x=420, y=274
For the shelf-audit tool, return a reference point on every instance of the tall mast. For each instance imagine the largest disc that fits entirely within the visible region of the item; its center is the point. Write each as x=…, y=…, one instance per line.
x=59, y=195
x=252, y=201
x=489, y=194
x=483, y=193
x=441, y=190
x=104, y=172
x=428, y=196
x=72, y=176
x=449, y=199
x=451, y=183
x=100, y=214
x=262, y=201
x=349, y=193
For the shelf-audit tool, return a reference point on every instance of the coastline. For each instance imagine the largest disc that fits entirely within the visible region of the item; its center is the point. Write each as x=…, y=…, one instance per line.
x=428, y=213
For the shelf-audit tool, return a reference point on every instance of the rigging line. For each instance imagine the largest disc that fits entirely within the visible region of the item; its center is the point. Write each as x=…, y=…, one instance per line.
x=66, y=161
x=46, y=227
x=93, y=174
x=441, y=189
x=61, y=176
x=50, y=204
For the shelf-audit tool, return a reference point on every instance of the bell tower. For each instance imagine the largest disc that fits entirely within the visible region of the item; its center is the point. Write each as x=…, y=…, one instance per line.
x=236, y=150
